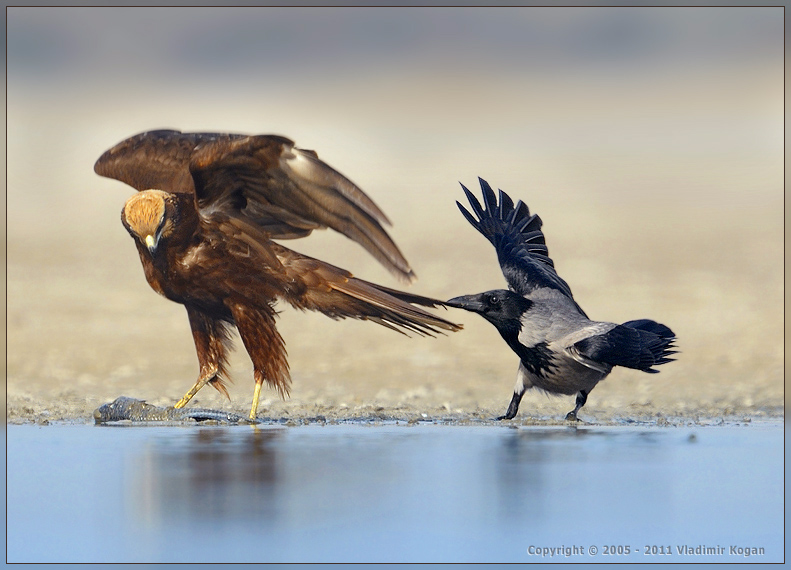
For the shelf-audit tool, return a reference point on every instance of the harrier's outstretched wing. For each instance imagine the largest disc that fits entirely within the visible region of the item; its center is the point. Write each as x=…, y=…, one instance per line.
x=154, y=160
x=279, y=189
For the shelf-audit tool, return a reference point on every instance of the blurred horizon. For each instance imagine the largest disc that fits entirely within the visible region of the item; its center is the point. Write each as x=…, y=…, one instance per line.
x=230, y=41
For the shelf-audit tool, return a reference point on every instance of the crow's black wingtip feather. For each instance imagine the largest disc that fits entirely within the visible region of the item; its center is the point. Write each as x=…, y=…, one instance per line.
x=506, y=206
x=468, y=216
x=489, y=198
x=474, y=203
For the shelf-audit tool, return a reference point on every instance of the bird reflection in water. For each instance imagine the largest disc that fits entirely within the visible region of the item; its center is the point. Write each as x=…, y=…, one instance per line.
x=216, y=473
x=552, y=473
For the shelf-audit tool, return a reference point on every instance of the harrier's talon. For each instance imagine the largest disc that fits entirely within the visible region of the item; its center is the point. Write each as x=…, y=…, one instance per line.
x=256, y=395
x=202, y=381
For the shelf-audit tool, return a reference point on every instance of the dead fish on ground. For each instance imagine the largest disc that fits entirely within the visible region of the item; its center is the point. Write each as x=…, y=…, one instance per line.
x=125, y=408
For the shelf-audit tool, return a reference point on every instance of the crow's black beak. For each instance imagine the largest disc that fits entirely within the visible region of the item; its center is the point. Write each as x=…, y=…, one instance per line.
x=467, y=302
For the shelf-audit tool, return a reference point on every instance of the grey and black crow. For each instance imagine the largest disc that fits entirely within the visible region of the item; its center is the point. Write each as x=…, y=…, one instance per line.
x=560, y=349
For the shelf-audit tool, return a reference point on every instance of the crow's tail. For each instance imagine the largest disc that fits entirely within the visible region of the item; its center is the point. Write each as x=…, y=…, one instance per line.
x=655, y=341
x=640, y=344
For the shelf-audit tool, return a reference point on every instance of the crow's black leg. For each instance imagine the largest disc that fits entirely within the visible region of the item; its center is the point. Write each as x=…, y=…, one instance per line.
x=582, y=397
x=513, y=407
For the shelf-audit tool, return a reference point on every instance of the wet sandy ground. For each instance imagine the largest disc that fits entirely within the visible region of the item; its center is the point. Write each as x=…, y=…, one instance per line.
x=661, y=194
x=85, y=328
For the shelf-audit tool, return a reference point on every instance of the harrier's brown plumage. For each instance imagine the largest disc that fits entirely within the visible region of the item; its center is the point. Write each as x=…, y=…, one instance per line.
x=208, y=209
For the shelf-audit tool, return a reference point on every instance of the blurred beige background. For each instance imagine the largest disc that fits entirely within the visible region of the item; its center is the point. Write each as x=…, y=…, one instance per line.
x=650, y=141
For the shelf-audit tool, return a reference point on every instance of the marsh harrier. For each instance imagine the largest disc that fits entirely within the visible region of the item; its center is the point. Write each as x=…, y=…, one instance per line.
x=208, y=209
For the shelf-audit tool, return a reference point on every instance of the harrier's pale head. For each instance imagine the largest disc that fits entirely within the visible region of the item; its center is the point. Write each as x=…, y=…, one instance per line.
x=145, y=216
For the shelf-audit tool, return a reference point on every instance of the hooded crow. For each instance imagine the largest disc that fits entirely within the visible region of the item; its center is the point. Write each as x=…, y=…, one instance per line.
x=560, y=349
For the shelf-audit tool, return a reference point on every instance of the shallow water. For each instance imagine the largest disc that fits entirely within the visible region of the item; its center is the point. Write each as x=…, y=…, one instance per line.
x=392, y=493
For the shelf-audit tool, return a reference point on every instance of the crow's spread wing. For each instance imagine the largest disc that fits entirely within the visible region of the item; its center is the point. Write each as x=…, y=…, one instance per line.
x=281, y=191
x=518, y=239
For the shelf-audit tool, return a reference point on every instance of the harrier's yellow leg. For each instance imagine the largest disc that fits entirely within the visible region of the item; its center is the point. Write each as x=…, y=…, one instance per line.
x=256, y=394
x=202, y=381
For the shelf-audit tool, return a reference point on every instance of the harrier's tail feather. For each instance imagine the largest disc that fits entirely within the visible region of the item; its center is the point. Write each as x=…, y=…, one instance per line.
x=410, y=297
x=319, y=286
x=390, y=307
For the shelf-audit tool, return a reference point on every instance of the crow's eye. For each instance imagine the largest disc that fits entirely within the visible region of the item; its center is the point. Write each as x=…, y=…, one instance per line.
x=494, y=300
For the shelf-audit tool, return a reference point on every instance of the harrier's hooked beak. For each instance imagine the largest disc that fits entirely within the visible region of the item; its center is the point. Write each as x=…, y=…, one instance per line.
x=151, y=243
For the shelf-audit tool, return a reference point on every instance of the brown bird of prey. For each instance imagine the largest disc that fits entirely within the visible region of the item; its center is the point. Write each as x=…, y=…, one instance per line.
x=208, y=209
